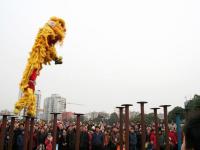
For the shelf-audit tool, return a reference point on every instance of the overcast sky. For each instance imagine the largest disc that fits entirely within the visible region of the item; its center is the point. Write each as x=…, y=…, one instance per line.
x=115, y=52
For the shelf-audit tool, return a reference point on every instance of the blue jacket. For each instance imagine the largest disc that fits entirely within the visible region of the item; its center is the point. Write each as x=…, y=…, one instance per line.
x=97, y=139
x=20, y=141
x=132, y=138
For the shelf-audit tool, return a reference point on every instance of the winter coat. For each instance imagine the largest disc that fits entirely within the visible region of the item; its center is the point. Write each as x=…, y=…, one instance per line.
x=41, y=138
x=48, y=144
x=84, y=141
x=20, y=141
x=71, y=139
x=63, y=143
x=97, y=139
x=153, y=140
x=132, y=140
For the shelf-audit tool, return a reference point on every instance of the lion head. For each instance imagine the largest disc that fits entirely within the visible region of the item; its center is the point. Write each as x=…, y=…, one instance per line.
x=58, y=26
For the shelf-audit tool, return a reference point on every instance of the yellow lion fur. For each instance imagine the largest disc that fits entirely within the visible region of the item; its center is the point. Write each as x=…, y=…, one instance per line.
x=42, y=53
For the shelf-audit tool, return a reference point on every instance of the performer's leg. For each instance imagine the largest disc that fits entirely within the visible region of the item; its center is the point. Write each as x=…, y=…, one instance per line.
x=20, y=104
x=31, y=109
x=31, y=104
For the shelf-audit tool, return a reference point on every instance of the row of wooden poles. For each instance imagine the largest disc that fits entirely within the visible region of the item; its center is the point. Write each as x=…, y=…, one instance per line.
x=29, y=125
x=28, y=131
x=143, y=127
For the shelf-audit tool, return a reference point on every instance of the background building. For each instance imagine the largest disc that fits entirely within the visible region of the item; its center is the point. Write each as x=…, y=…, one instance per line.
x=38, y=102
x=55, y=103
x=66, y=116
x=91, y=115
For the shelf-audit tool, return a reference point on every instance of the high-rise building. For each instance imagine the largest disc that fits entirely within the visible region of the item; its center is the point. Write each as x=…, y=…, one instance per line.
x=55, y=103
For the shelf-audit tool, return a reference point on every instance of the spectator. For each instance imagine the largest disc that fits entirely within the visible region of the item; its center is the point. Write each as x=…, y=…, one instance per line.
x=132, y=139
x=173, y=141
x=90, y=133
x=161, y=140
x=71, y=138
x=48, y=142
x=20, y=137
x=139, y=136
x=59, y=135
x=97, y=139
x=106, y=140
x=63, y=141
x=84, y=138
x=41, y=138
x=35, y=132
x=114, y=139
x=153, y=139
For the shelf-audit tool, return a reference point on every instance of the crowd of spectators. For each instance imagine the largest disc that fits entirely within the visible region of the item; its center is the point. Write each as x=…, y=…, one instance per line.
x=93, y=136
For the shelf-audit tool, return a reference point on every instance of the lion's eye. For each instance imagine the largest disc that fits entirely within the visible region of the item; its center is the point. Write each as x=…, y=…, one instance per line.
x=62, y=25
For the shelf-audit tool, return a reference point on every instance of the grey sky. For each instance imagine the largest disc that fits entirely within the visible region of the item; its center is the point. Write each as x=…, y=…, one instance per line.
x=115, y=51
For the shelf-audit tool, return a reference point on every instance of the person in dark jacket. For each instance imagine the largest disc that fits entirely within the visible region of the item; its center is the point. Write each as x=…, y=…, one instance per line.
x=60, y=129
x=20, y=140
x=97, y=139
x=16, y=133
x=84, y=138
x=132, y=139
x=114, y=138
x=41, y=138
x=35, y=133
x=71, y=138
x=63, y=141
x=161, y=140
x=139, y=136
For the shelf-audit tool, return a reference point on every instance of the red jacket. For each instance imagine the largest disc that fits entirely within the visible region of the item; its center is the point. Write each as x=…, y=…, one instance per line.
x=173, y=138
x=153, y=139
x=48, y=144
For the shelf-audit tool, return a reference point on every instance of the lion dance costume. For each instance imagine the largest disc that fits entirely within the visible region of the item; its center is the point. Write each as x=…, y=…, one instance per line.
x=43, y=52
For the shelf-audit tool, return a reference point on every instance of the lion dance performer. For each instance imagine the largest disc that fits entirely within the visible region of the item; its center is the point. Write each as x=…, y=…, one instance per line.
x=43, y=52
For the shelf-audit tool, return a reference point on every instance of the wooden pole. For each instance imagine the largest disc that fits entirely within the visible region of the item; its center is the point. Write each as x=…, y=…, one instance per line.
x=143, y=139
x=127, y=125
x=121, y=127
x=54, y=129
x=156, y=127
x=77, y=145
x=166, y=126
